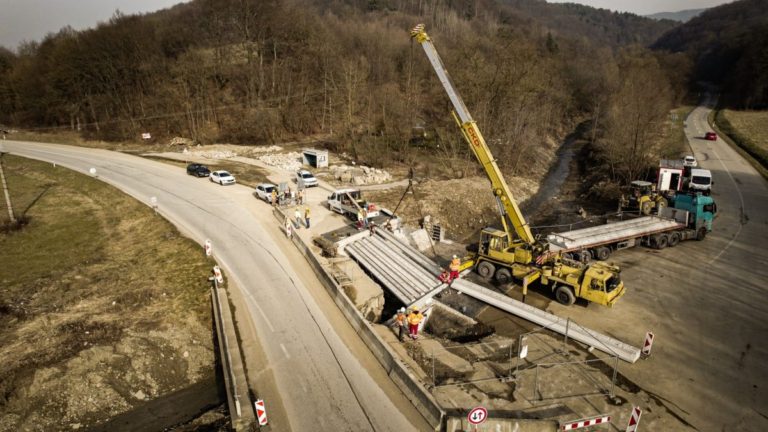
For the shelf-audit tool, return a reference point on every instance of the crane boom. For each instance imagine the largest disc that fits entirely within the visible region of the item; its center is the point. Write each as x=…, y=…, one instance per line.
x=508, y=207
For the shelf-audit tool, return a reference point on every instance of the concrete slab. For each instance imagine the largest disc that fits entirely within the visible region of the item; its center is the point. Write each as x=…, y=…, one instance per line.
x=421, y=239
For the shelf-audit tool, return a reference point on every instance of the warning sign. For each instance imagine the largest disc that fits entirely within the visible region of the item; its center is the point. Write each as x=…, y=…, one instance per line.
x=477, y=415
x=634, y=419
x=648, y=344
x=261, y=412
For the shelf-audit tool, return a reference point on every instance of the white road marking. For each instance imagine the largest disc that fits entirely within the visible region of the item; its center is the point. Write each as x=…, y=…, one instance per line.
x=743, y=210
x=261, y=311
x=285, y=351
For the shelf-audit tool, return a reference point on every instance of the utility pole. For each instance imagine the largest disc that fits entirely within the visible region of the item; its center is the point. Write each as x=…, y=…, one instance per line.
x=5, y=191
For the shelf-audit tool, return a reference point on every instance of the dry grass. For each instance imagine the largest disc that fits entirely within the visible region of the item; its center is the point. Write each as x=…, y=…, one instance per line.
x=94, y=276
x=751, y=124
x=676, y=143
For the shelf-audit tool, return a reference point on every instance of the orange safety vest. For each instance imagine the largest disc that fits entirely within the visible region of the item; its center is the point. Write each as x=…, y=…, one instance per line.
x=455, y=264
x=415, y=318
x=400, y=319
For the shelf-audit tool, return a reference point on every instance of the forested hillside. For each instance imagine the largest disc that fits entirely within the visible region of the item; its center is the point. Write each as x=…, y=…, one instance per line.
x=682, y=16
x=729, y=46
x=346, y=71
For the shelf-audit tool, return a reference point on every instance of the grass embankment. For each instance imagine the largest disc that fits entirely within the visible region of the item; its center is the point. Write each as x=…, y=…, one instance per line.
x=104, y=305
x=676, y=143
x=748, y=130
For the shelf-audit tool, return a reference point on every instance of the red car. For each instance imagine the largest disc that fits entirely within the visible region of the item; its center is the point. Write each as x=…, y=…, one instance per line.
x=710, y=136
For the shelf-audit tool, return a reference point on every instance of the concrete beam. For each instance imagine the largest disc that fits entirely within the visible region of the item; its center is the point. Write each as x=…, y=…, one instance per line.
x=554, y=323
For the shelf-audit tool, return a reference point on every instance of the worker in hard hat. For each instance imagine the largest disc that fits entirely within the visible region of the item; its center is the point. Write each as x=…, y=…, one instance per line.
x=401, y=323
x=445, y=276
x=414, y=319
x=297, y=216
x=455, y=265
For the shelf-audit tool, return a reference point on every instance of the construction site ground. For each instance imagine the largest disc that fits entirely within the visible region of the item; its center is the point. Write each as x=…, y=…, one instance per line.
x=698, y=360
x=571, y=391
x=565, y=392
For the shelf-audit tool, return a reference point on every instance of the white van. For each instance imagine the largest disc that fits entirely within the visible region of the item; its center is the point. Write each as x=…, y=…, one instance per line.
x=700, y=180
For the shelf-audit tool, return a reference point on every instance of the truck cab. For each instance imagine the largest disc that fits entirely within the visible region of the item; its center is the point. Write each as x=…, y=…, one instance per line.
x=601, y=284
x=701, y=210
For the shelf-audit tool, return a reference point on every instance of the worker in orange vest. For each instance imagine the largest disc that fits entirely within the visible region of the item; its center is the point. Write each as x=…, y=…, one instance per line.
x=414, y=319
x=455, y=265
x=444, y=277
x=400, y=322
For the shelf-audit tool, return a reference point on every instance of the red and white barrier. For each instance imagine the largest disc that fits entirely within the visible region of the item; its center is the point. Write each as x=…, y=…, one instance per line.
x=261, y=412
x=648, y=344
x=634, y=419
x=578, y=424
x=217, y=274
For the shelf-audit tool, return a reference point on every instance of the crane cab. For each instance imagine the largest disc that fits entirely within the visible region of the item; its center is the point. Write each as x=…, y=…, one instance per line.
x=495, y=245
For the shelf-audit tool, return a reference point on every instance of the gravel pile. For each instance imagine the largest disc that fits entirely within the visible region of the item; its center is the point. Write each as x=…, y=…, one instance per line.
x=359, y=175
x=287, y=161
x=212, y=154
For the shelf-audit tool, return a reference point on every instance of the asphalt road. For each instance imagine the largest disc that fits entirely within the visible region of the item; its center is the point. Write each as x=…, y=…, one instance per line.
x=705, y=302
x=325, y=379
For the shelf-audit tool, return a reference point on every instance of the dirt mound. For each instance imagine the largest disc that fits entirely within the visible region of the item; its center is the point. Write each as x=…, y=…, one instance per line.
x=460, y=206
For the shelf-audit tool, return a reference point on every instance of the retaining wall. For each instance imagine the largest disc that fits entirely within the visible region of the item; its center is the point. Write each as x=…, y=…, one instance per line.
x=396, y=369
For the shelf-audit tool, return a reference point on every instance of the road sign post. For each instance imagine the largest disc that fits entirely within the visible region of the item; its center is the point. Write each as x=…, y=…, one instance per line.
x=261, y=412
x=647, y=344
x=217, y=275
x=634, y=419
x=477, y=416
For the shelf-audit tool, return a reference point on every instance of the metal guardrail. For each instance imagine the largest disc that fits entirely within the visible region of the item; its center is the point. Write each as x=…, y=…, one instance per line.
x=225, y=348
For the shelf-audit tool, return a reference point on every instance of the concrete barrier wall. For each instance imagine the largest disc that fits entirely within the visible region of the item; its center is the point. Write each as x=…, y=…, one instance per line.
x=406, y=381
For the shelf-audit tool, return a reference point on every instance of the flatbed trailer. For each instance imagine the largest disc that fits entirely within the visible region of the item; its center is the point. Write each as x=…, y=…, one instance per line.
x=599, y=242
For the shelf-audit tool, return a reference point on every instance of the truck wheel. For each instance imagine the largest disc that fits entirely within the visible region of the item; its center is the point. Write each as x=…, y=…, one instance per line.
x=602, y=253
x=565, y=296
x=646, y=207
x=584, y=256
x=660, y=241
x=503, y=276
x=701, y=234
x=485, y=270
x=674, y=239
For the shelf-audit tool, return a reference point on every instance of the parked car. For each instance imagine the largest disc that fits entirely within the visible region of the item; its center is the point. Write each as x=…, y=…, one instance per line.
x=690, y=161
x=264, y=191
x=222, y=178
x=305, y=178
x=198, y=170
x=710, y=136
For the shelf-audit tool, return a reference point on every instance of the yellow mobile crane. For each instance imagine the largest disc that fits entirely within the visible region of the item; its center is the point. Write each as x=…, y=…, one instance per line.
x=516, y=252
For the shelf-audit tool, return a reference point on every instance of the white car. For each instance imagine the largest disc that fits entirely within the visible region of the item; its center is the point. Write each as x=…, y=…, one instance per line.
x=222, y=178
x=305, y=178
x=690, y=161
x=264, y=191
